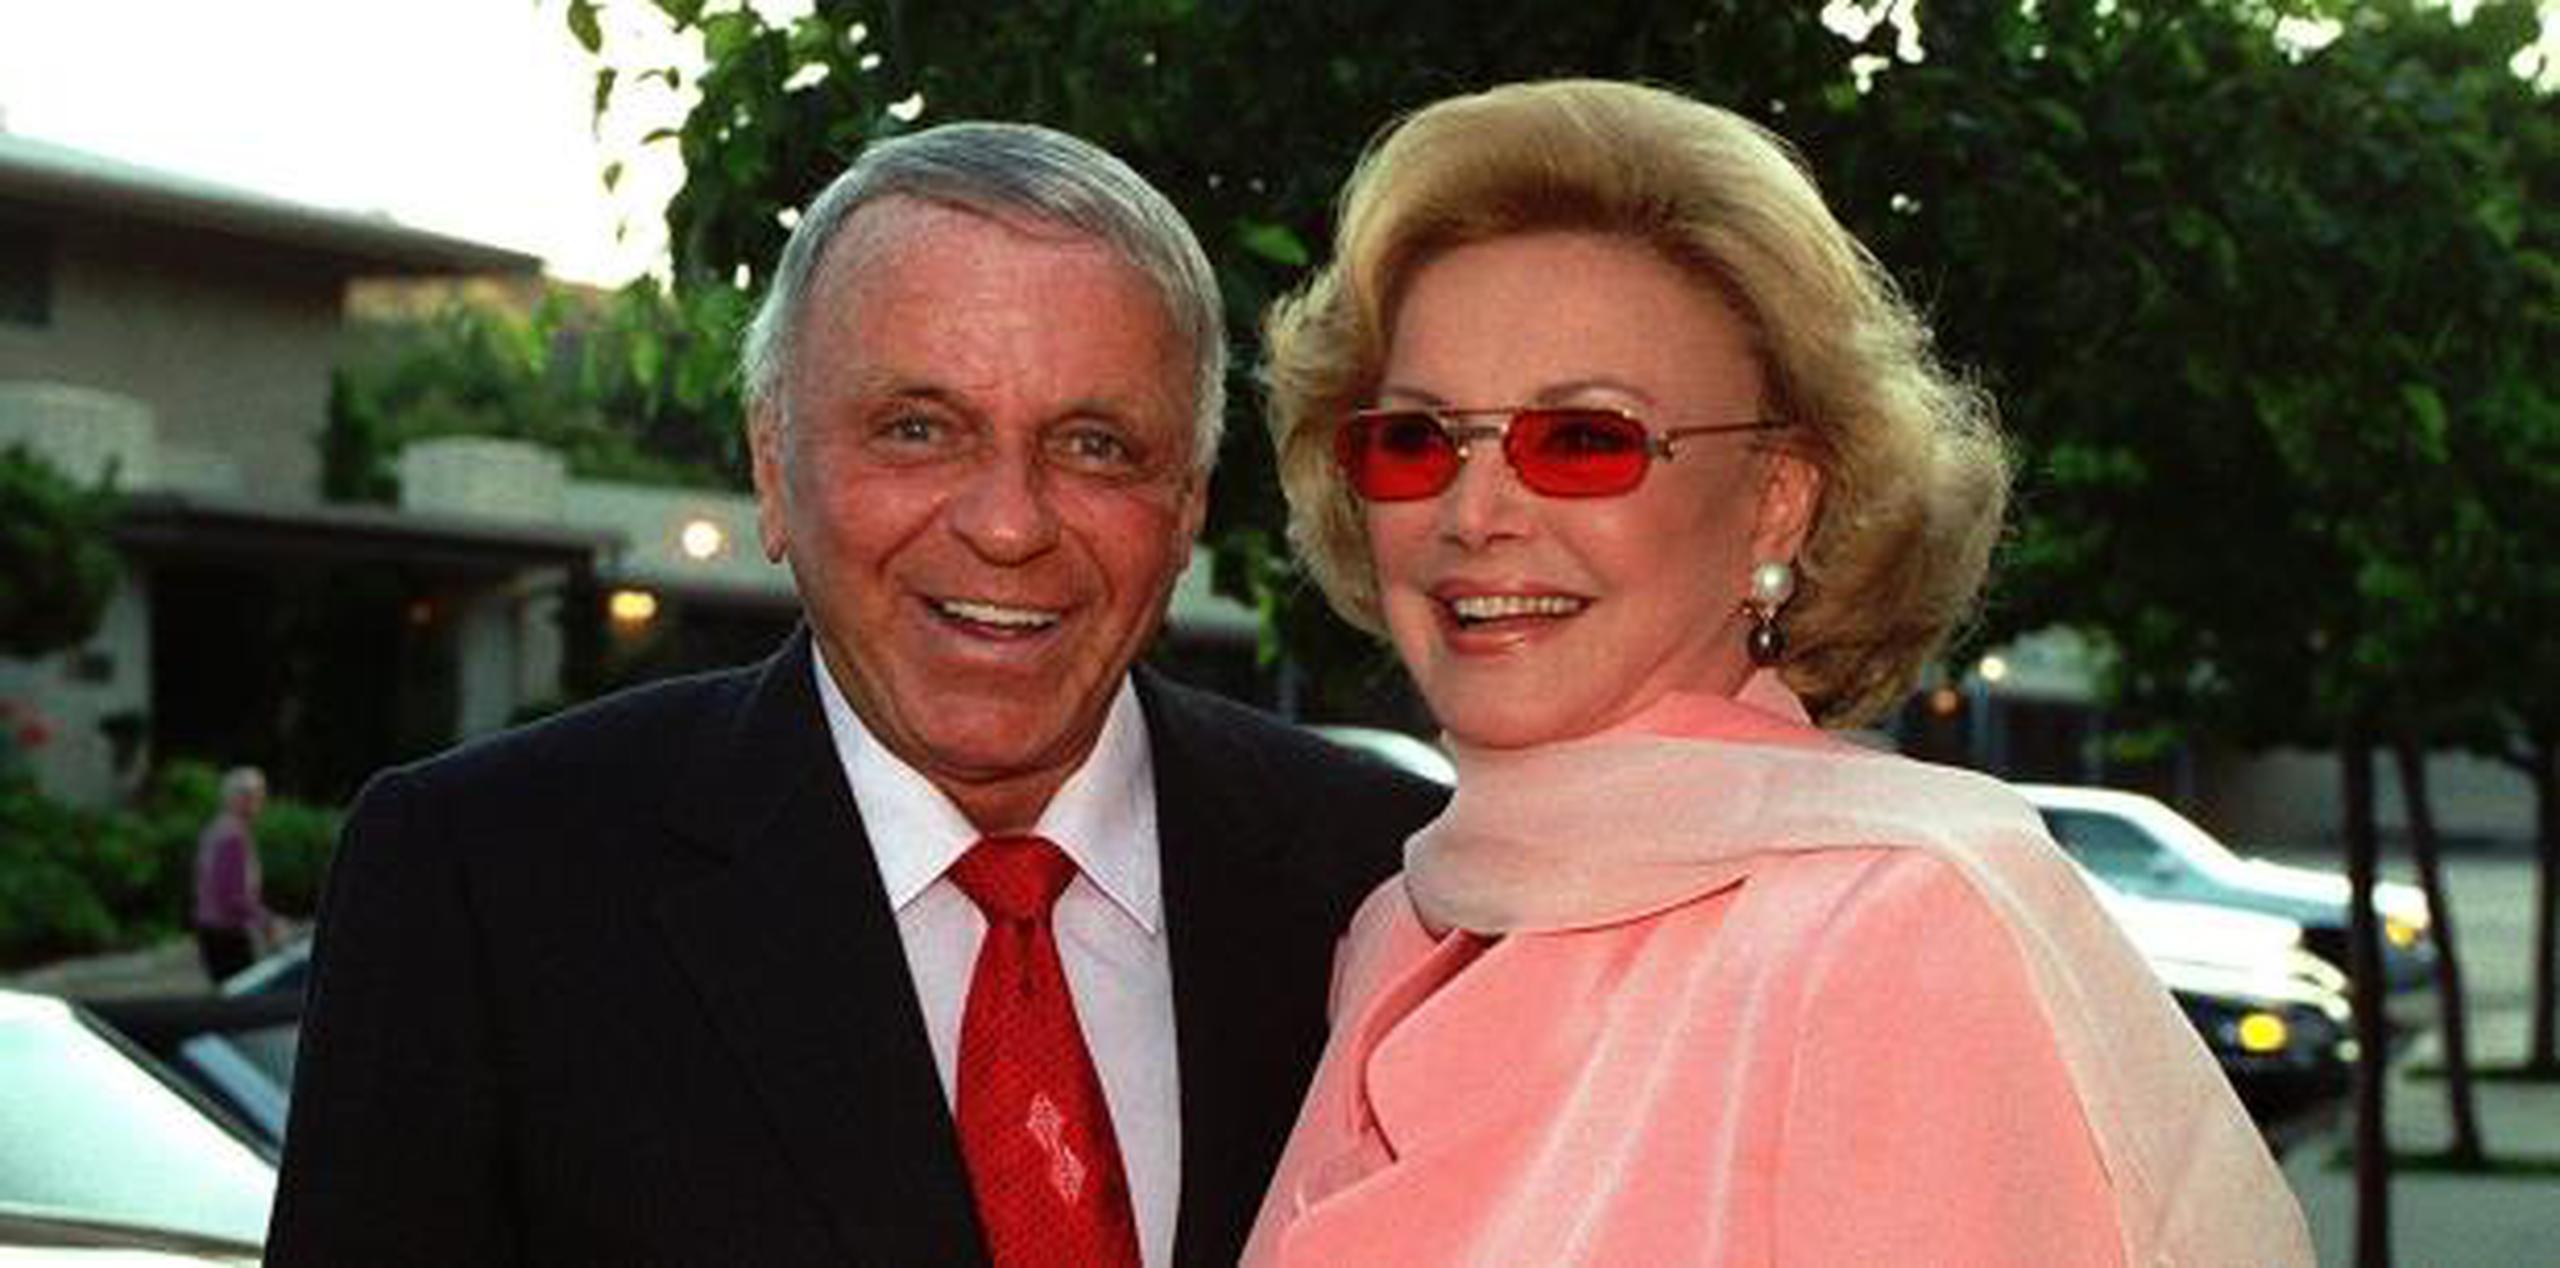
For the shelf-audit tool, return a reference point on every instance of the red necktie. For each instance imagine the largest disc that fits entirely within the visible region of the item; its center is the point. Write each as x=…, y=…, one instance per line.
x=1033, y=1124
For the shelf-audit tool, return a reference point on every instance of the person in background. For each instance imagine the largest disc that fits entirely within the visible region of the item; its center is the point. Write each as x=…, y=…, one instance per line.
x=1635, y=456
x=231, y=919
x=942, y=937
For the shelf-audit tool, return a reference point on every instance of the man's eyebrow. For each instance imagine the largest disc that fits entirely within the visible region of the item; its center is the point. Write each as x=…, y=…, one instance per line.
x=891, y=385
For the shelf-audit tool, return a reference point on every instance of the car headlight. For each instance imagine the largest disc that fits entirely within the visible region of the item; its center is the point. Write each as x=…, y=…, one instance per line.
x=2291, y=1032
x=2260, y=1031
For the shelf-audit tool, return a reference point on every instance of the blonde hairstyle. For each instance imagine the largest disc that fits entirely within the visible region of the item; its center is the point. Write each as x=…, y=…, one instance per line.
x=1914, y=473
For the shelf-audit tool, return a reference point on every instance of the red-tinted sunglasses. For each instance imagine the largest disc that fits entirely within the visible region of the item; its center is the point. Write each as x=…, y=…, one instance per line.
x=1399, y=455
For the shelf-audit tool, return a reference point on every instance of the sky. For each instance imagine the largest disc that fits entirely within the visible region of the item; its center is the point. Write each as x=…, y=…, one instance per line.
x=466, y=117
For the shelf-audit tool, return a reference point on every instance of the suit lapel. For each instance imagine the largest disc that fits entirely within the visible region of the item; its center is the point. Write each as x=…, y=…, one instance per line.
x=1229, y=905
x=797, y=957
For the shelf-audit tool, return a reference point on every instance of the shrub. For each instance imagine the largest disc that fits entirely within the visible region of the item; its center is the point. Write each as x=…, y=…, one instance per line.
x=48, y=907
x=295, y=842
x=73, y=881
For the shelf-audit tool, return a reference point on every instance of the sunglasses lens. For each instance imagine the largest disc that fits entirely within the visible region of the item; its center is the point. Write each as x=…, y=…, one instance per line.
x=1577, y=453
x=1396, y=457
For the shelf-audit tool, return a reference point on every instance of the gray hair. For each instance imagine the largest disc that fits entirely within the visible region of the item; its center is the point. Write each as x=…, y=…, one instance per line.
x=240, y=781
x=1009, y=169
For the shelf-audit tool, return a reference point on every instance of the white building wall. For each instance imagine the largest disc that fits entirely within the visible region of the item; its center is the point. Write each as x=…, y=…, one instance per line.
x=74, y=691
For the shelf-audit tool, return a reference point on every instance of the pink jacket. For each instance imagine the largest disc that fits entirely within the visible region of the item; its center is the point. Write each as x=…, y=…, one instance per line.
x=1764, y=1002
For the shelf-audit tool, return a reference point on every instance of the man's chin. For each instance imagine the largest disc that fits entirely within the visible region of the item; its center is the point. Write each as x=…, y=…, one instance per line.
x=966, y=745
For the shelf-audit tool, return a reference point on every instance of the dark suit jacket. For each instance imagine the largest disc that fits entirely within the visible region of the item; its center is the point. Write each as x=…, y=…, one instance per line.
x=623, y=988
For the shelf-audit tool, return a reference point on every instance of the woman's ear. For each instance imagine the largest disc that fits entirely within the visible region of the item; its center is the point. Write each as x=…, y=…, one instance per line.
x=1790, y=493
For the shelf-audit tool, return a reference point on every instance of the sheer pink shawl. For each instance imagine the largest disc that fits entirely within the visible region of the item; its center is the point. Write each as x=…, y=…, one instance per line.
x=1596, y=831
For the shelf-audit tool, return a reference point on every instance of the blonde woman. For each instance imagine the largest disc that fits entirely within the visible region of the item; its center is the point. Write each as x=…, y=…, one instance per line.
x=1634, y=455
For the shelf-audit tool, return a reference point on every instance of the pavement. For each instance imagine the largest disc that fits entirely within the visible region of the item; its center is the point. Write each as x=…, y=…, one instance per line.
x=2442, y=1219
x=170, y=968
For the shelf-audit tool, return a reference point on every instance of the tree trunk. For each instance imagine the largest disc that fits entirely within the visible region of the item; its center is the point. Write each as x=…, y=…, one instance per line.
x=2364, y=969
x=2543, y=1055
x=2464, y=1150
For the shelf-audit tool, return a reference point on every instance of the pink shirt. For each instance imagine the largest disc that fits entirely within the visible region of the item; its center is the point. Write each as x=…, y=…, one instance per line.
x=227, y=883
x=1765, y=1002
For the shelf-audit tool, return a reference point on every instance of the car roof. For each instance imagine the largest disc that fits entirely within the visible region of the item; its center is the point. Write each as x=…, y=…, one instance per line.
x=22, y=1006
x=2077, y=796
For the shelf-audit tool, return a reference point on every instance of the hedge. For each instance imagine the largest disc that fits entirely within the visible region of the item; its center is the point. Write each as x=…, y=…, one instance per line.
x=75, y=882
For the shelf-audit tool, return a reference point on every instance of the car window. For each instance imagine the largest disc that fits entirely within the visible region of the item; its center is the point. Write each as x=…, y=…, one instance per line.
x=2107, y=845
x=86, y=1131
x=250, y=1071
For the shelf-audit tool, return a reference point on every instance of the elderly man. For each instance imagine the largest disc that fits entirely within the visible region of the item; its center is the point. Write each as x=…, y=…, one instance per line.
x=942, y=937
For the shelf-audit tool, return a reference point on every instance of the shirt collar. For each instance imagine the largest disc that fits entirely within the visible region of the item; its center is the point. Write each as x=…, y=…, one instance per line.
x=1103, y=817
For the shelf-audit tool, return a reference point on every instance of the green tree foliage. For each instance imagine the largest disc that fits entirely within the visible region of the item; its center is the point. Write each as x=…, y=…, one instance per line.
x=57, y=566
x=634, y=385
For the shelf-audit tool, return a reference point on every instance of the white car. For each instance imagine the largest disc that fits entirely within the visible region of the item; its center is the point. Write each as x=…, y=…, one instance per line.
x=2146, y=849
x=2272, y=1013
x=104, y=1160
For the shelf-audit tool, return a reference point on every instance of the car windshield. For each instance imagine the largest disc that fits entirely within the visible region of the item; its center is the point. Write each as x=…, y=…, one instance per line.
x=86, y=1131
x=2105, y=844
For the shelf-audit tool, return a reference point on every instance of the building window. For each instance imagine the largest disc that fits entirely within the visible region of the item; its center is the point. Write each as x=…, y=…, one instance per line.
x=26, y=275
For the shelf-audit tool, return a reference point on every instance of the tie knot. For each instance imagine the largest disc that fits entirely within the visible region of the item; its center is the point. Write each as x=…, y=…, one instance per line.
x=1014, y=878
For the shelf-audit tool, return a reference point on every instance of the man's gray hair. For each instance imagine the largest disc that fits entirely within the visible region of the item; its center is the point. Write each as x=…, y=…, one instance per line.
x=1008, y=170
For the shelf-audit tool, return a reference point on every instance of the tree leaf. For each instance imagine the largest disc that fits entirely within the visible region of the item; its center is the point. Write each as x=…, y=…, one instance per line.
x=582, y=24
x=1273, y=242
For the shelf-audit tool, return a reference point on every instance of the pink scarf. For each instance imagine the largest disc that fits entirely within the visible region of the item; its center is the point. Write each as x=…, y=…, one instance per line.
x=1698, y=791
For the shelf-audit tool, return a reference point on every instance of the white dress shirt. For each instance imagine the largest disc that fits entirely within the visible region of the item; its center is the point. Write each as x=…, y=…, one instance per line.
x=1109, y=923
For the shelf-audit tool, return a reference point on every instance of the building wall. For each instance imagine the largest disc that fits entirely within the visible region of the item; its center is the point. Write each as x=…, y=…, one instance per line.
x=84, y=695
x=226, y=342
x=2297, y=797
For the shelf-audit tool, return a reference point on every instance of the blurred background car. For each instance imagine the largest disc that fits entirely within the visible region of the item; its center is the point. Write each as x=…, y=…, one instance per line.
x=2275, y=1016
x=107, y=1157
x=36, y=1239
x=2146, y=849
x=237, y=1052
x=1395, y=748
x=235, y=1046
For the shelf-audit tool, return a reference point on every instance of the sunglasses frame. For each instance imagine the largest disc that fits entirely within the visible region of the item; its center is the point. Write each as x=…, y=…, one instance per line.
x=1462, y=435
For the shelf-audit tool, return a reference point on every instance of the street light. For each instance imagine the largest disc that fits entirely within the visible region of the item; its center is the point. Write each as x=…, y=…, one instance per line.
x=701, y=538
x=631, y=608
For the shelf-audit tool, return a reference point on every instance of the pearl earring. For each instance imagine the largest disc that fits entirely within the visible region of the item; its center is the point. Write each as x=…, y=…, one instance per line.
x=1773, y=582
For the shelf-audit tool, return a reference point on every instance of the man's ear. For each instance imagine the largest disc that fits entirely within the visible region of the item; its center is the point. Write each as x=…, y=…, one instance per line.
x=1195, y=506
x=1790, y=493
x=764, y=444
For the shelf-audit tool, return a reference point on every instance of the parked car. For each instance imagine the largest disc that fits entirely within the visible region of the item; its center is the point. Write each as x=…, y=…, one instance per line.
x=283, y=971
x=1395, y=748
x=107, y=1157
x=2147, y=849
x=237, y=1051
x=42, y=1239
x=2275, y=1016
x=235, y=1046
